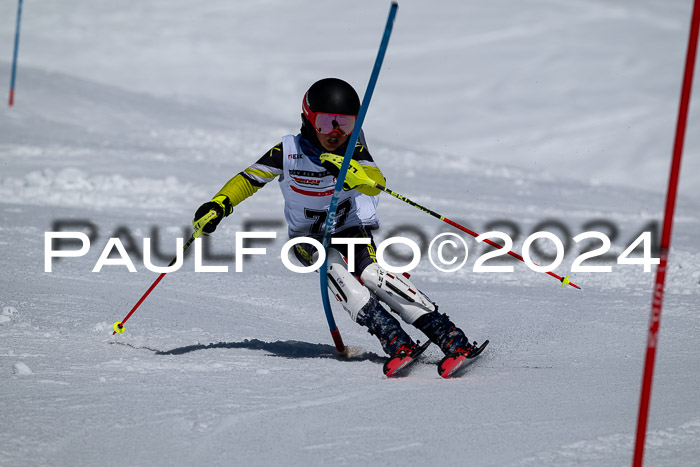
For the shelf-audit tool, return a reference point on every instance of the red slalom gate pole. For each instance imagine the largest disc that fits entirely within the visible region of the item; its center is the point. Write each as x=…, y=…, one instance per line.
x=658, y=295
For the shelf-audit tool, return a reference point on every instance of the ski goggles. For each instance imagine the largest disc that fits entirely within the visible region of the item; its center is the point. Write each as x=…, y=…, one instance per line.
x=326, y=123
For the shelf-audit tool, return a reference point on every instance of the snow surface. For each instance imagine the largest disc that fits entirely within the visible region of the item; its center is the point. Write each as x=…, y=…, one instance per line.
x=129, y=115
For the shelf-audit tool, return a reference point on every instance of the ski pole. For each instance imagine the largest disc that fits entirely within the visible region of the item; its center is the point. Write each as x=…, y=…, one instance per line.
x=198, y=228
x=564, y=280
x=330, y=218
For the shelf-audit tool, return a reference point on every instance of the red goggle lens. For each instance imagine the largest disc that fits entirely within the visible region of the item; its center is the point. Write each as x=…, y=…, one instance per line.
x=326, y=123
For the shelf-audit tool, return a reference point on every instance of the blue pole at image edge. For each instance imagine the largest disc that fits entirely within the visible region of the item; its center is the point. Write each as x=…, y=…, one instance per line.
x=11, y=100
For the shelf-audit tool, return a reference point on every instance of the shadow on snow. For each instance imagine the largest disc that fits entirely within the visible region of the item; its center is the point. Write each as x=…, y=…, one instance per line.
x=286, y=349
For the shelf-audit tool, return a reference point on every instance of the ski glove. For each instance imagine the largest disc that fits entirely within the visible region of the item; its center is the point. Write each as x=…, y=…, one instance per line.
x=355, y=176
x=221, y=205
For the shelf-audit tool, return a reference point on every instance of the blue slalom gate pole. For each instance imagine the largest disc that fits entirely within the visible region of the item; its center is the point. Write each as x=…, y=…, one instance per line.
x=14, y=57
x=330, y=218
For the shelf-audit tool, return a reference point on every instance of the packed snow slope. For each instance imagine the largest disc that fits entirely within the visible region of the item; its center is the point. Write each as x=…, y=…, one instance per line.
x=503, y=116
x=584, y=89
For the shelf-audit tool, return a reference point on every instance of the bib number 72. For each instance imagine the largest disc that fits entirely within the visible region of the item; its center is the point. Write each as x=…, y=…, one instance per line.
x=319, y=216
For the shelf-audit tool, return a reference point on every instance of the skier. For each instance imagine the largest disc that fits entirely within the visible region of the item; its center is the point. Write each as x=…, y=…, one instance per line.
x=306, y=164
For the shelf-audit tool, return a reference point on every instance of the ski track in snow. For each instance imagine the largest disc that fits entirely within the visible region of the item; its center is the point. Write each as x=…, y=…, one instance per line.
x=663, y=446
x=568, y=122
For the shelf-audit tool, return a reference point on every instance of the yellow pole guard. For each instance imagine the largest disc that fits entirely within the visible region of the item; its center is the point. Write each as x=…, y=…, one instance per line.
x=201, y=222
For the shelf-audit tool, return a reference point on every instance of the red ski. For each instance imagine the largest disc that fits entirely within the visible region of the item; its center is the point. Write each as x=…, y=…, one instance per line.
x=451, y=364
x=395, y=365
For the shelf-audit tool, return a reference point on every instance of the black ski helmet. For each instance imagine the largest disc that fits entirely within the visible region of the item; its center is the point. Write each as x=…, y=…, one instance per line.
x=330, y=95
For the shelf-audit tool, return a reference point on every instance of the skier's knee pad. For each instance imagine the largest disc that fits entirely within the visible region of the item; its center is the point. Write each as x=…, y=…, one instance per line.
x=307, y=255
x=347, y=290
x=397, y=291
